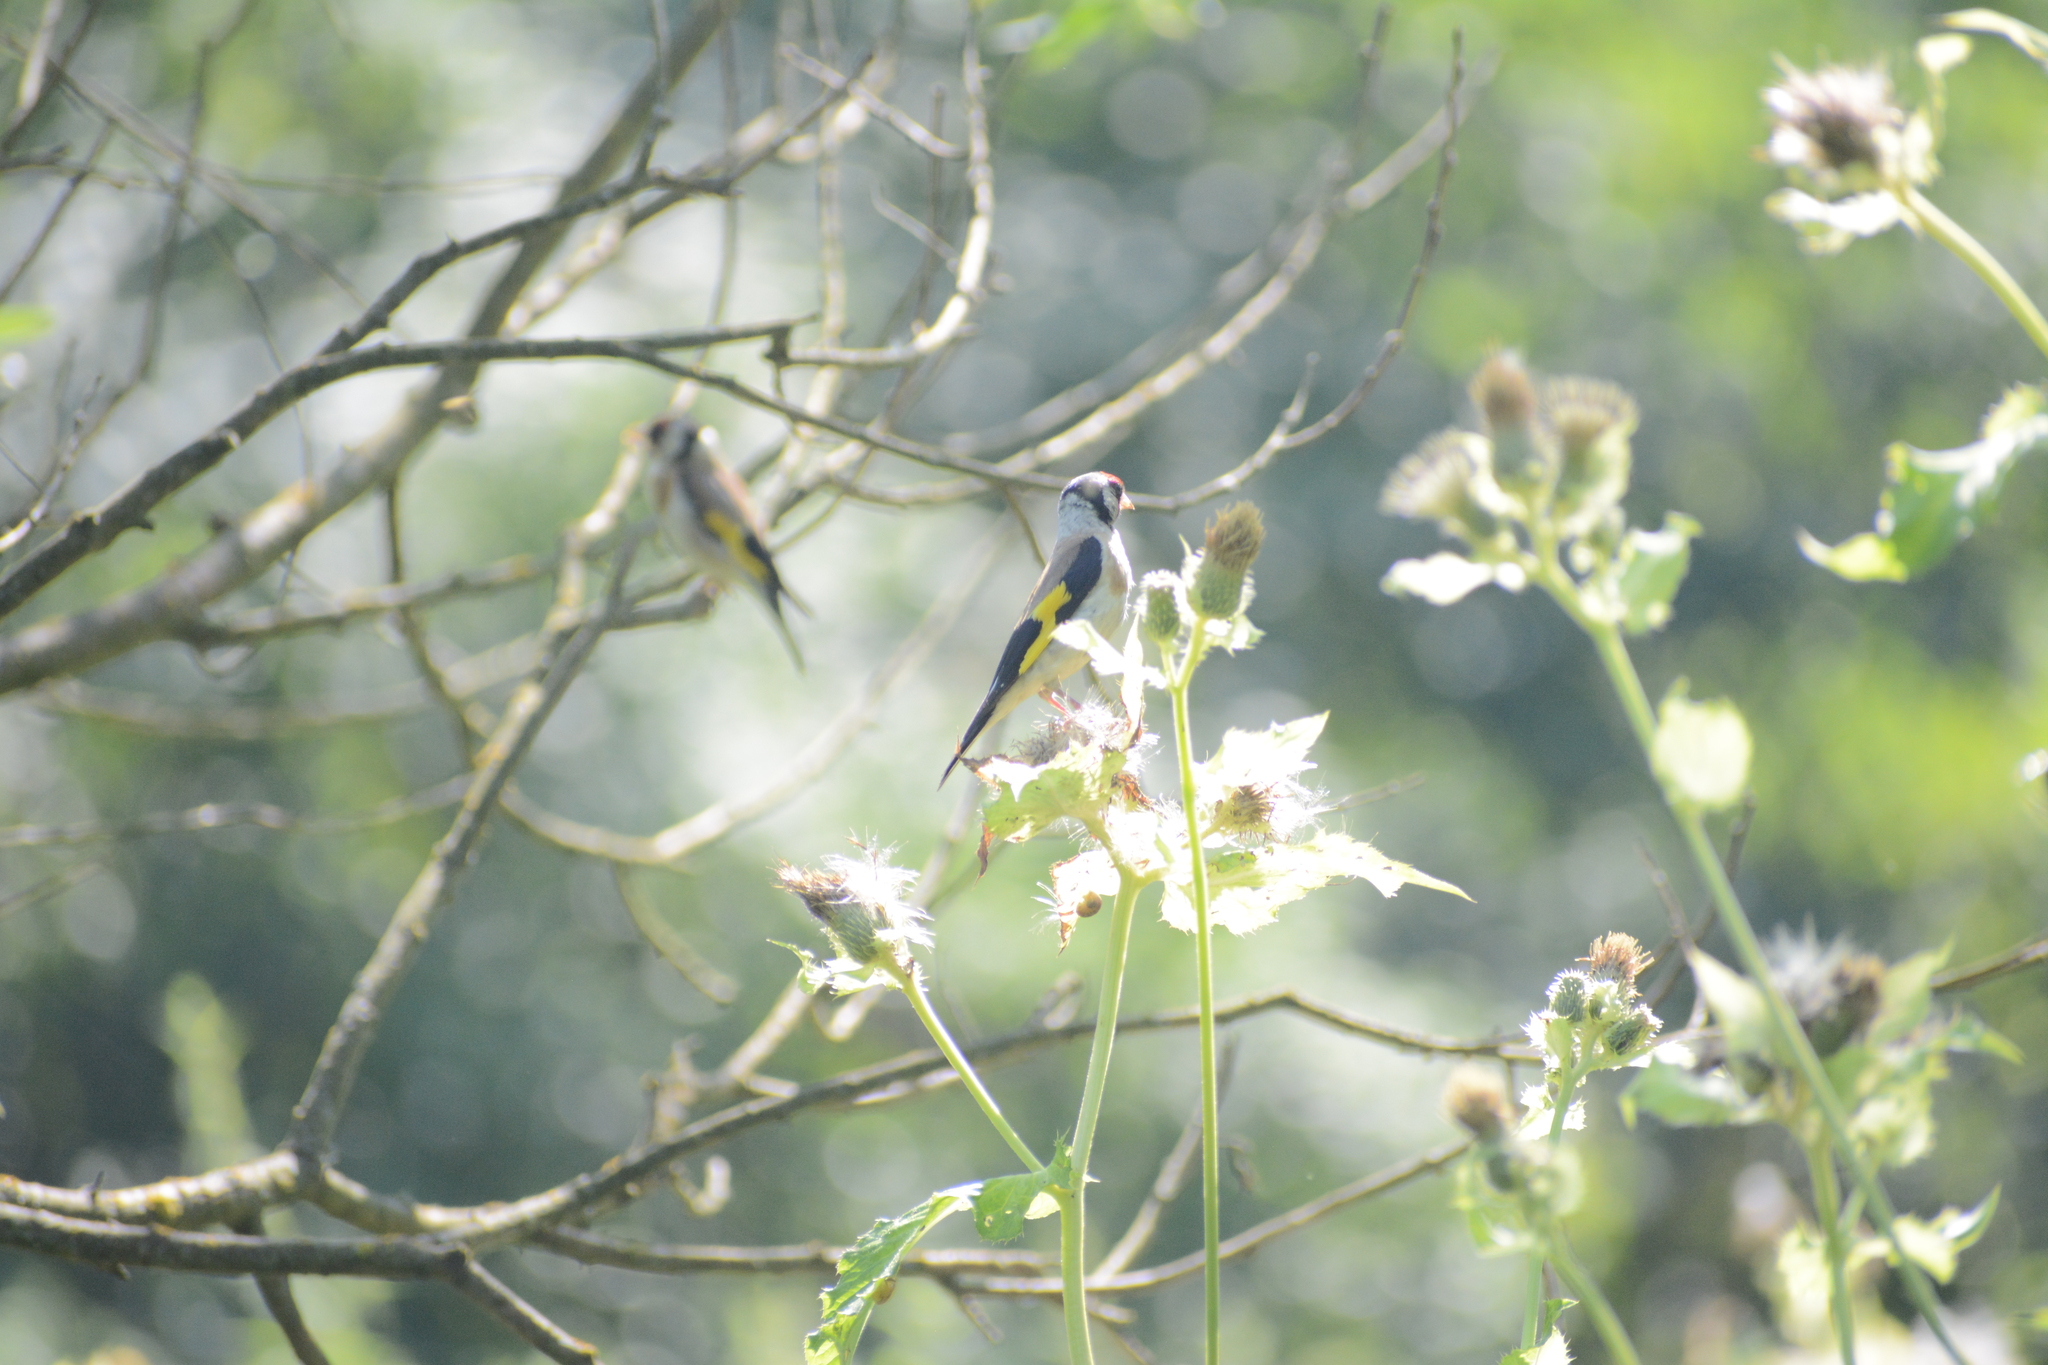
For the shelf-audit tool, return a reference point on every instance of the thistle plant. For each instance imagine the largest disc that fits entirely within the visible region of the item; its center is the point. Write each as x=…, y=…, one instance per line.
x=1534, y=495
x=1883, y=1046
x=1860, y=165
x=1519, y=1181
x=1245, y=838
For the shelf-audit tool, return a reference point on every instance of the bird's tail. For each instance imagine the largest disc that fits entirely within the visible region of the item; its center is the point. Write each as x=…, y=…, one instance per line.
x=788, y=639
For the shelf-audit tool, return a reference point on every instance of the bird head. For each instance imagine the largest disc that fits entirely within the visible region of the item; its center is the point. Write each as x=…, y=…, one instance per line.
x=1092, y=502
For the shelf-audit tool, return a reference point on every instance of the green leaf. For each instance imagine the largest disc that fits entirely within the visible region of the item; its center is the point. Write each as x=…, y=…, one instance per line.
x=1737, y=1005
x=868, y=1265
x=2025, y=37
x=1905, y=995
x=1935, y=499
x=1967, y=1033
x=1934, y=1244
x=1651, y=565
x=1685, y=1098
x=1074, y=785
x=838, y=975
x=1553, y=1350
x=1553, y=1309
x=1004, y=1203
x=1259, y=758
x=1247, y=887
x=1701, y=749
x=22, y=323
x=1444, y=578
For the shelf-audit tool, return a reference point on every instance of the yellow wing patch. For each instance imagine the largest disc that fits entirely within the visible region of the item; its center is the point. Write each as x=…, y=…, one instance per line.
x=1046, y=613
x=734, y=537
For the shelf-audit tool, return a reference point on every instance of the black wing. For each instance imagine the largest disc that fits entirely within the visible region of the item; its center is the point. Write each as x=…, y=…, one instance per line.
x=1050, y=605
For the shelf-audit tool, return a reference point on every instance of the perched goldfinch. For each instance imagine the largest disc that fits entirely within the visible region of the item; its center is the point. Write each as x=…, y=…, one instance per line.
x=1086, y=578
x=709, y=517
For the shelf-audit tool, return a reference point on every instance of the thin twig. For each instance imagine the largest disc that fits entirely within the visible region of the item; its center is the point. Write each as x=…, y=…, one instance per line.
x=227, y=815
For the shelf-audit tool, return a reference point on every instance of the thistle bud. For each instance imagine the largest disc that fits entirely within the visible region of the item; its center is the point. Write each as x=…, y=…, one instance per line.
x=1437, y=483
x=1477, y=1100
x=1628, y=1032
x=859, y=904
x=1246, y=811
x=1523, y=457
x=1591, y=422
x=848, y=923
x=1503, y=393
x=1568, y=996
x=1858, y=983
x=1232, y=543
x=1162, y=621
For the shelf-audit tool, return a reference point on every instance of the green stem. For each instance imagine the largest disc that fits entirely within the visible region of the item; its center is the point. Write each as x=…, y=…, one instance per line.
x=1205, y=986
x=1827, y=1207
x=1971, y=252
x=1073, y=1206
x=1532, y=1298
x=1074, y=1274
x=914, y=988
x=1792, y=1040
x=1606, y=1321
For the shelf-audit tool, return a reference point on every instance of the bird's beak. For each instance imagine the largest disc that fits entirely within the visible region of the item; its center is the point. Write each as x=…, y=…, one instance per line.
x=1127, y=505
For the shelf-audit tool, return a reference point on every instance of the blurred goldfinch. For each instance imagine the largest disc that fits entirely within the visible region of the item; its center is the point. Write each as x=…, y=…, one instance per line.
x=1086, y=578
x=709, y=517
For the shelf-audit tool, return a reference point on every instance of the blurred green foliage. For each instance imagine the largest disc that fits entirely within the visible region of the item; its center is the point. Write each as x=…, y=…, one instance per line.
x=1605, y=218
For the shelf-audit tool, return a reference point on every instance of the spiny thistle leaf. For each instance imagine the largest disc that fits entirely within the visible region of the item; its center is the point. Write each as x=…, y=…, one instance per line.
x=1247, y=887
x=1934, y=499
x=870, y=1264
x=1004, y=1204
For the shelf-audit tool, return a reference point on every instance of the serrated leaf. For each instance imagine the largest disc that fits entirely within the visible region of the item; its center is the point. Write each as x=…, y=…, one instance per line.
x=1247, y=887
x=1259, y=758
x=1440, y=580
x=1935, y=499
x=1967, y=1033
x=839, y=975
x=867, y=1265
x=1684, y=1098
x=2025, y=37
x=1826, y=226
x=21, y=323
x=1652, y=565
x=1029, y=798
x=1003, y=1205
x=1935, y=1243
x=1905, y=995
x=1701, y=749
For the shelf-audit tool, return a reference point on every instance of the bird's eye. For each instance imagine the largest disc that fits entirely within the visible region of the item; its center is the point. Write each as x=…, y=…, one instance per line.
x=657, y=429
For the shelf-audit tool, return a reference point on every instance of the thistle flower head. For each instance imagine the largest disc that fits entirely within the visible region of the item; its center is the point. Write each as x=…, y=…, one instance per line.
x=1834, y=989
x=1438, y=483
x=1834, y=121
x=1589, y=421
x=1617, y=957
x=1233, y=540
x=859, y=903
x=1477, y=1100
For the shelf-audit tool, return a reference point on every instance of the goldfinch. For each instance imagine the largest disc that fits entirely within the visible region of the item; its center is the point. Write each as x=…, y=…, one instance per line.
x=1086, y=578
x=709, y=517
